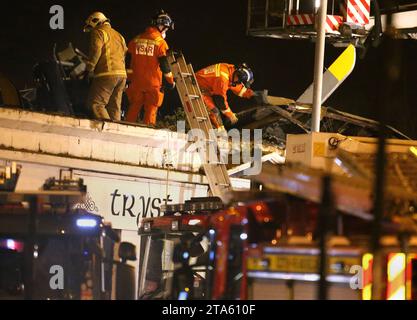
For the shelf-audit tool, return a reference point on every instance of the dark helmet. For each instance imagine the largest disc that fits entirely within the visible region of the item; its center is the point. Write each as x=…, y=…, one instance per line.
x=163, y=19
x=243, y=74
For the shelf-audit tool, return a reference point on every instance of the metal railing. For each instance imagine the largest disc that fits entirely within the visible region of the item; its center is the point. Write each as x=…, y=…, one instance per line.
x=267, y=14
x=272, y=14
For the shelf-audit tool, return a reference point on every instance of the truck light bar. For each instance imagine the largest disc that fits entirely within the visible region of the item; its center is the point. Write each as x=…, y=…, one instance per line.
x=194, y=205
x=53, y=184
x=11, y=244
x=194, y=222
x=86, y=223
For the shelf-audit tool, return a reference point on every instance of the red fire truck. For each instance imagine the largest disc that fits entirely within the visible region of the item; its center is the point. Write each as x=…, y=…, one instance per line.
x=266, y=245
x=49, y=250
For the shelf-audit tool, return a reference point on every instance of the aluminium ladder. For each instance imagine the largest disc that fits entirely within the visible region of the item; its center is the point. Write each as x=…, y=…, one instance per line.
x=198, y=118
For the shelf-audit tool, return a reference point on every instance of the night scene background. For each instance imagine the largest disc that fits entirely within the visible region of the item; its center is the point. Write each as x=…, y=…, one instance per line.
x=209, y=32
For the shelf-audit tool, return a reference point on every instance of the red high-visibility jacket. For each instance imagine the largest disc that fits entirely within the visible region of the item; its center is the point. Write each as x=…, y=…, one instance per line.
x=217, y=80
x=145, y=50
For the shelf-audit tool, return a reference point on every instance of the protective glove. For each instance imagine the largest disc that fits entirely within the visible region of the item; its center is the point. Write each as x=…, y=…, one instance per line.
x=220, y=129
x=233, y=118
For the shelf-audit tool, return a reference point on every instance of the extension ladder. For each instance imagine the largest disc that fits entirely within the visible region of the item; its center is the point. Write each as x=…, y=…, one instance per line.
x=198, y=118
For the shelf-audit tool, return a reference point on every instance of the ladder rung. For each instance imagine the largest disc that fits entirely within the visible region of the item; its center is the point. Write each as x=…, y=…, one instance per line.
x=204, y=140
x=214, y=163
x=223, y=185
x=189, y=91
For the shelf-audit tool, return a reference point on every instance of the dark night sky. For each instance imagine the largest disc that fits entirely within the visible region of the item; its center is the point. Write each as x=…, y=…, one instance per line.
x=208, y=32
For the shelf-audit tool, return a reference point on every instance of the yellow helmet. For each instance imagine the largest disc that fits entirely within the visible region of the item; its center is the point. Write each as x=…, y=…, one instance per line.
x=95, y=19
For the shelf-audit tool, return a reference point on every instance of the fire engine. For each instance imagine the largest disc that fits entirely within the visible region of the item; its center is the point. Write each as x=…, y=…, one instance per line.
x=266, y=248
x=274, y=244
x=51, y=250
x=243, y=246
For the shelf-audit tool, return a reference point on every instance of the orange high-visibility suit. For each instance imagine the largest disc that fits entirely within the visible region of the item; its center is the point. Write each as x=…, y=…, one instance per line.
x=214, y=82
x=146, y=75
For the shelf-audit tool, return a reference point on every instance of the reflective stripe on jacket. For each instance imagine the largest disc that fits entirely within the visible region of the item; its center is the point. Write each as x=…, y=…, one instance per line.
x=146, y=49
x=107, y=52
x=216, y=80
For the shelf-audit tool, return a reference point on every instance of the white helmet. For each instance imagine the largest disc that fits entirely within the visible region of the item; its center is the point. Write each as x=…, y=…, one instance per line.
x=94, y=20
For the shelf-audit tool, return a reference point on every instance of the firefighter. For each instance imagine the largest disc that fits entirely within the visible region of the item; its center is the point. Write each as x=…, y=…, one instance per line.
x=216, y=80
x=148, y=64
x=106, y=64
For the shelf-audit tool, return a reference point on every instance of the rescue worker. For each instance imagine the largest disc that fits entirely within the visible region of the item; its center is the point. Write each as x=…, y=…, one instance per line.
x=216, y=80
x=106, y=64
x=148, y=63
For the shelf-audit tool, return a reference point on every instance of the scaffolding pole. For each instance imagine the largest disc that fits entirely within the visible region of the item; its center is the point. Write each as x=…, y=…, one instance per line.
x=318, y=67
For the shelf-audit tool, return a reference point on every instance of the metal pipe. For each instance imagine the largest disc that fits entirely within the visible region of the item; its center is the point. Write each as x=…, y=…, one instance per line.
x=285, y=13
x=290, y=6
x=399, y=8
x=143, y=269
x=318, y=67
x=391, y=60
x=248, y=21
x=30, y=249
x=266, y=13
x=325, y=214
x=378, y=215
